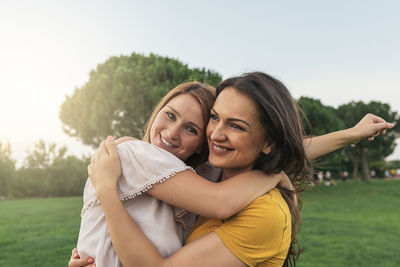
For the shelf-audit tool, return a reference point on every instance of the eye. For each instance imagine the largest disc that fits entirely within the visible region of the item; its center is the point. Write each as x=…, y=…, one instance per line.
x=170, y=115
x=213, y=117
x=235, y=126
x=191, y=130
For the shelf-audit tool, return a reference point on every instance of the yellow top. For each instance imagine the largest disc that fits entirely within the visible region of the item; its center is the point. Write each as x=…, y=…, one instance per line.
x=259, y=235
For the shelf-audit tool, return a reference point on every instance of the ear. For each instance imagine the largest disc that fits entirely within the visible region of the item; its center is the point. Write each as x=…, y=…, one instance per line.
x=267, y=148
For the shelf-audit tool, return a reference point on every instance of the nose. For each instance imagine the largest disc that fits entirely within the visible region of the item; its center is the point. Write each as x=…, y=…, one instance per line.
x=174, y=131
x=217, y=132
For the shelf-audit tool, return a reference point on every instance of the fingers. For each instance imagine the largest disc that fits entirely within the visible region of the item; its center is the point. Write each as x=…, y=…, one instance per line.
x=384, y=125
x=103, y=148
x=93, y=159
x=111, y=147
x=75, y=254
x=81, y=262
x=376, y=119
x=89, y=170
x=381, y=128
x=379, y=122
x=285, y=182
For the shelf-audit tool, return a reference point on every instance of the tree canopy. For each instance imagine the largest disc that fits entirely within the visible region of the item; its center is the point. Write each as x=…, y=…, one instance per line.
x=121, y=93
x=320, y=119
x=364, y=151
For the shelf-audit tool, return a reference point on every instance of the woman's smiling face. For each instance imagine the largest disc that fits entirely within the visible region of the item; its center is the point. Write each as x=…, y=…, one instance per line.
x=235, y=134
x=179, y=127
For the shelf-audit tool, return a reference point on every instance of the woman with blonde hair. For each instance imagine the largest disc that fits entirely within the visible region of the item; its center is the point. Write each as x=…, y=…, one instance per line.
x=158, y=184
x=254, y=126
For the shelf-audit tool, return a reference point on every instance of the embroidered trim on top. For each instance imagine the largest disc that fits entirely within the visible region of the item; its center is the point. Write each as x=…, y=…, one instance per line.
x=137, y=192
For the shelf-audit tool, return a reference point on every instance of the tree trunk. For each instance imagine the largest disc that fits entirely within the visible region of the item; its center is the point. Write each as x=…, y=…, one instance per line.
x=364, y=165
x=356, y=176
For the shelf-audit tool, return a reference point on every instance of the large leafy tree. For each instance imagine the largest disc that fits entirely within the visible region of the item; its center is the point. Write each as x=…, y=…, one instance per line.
x=364, y=151
x=120, y=94
x=322, y=119
x=318, y=120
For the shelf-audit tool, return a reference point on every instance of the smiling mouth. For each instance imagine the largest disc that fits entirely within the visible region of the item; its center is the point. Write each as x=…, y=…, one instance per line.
x=220, y=148
x=166, y=142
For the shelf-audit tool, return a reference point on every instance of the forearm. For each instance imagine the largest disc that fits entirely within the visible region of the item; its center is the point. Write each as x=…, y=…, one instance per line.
x=239, y=191
x=214, y=200
x=320, y=145
x=131, y=244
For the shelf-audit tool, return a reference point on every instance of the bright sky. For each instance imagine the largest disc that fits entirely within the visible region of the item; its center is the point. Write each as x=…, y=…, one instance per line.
x=336, y=51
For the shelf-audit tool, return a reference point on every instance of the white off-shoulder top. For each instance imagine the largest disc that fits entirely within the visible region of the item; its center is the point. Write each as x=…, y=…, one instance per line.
x=142, y=165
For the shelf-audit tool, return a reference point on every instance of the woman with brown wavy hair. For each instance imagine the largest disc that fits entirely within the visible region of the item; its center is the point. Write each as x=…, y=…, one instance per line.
x=254, y=125
x=174, y=144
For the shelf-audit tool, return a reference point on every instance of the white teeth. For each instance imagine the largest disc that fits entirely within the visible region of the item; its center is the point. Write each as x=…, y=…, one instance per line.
x=166, y=142
x=219, y=148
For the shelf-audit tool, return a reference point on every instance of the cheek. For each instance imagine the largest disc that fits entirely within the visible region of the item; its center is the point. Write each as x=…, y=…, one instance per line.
x=255, y=146
x=248, y=145
x=159, y=122
x=192, y=144
x=152, y=134
x=157, y=125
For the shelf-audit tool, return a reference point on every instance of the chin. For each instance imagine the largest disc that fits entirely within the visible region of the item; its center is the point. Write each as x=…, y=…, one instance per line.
x=218, y=163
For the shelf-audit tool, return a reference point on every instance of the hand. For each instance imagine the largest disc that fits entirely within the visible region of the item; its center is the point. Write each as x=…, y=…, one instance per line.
x=287, y=184
x=369, y=127
x=76, y=261
x=105, y=167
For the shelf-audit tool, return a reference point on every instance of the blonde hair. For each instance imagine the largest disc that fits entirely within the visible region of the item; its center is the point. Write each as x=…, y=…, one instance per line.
x=205, y=96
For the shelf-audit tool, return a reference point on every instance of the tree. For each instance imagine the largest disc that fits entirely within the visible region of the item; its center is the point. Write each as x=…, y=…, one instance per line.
x=364, y=151
x=320, y=119
x=7, y=169
x=49, y=171
x=121, y=94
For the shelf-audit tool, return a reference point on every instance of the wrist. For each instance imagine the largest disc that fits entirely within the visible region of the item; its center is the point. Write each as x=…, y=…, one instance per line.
x=105, y=191
x=351, y=136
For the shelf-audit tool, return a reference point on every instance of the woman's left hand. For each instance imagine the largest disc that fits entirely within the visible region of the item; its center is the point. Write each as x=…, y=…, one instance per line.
x=105, y=167
x=370, y=126
x=76, y=261
x=287, y=184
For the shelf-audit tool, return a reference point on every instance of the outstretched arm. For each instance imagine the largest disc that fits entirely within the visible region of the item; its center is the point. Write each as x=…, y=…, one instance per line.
x=369, y=127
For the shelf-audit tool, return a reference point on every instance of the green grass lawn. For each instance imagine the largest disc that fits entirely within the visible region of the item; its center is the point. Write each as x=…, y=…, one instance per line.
x=38, y=232
x=351, y=224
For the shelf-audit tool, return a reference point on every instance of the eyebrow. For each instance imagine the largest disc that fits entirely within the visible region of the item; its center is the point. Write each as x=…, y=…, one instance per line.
x=233, y=119
x=190, y=122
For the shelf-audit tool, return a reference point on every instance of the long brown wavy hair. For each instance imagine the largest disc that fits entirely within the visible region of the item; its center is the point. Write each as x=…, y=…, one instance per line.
x=279, y=115
x=205, y=96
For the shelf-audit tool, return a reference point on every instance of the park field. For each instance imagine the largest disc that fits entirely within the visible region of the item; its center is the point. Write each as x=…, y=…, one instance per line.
x=351, y=224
